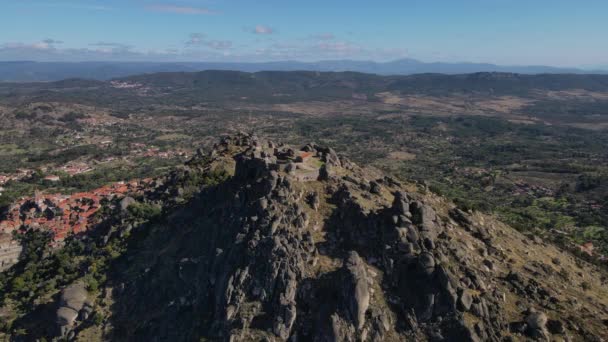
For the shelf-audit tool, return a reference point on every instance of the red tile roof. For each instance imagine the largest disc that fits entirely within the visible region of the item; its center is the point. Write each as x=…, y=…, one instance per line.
x=73, y=213
x=305, y=155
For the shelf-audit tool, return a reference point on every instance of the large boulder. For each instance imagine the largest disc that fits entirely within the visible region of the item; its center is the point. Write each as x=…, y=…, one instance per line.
x=536, y=320
x=357, y=288
x=427, y=263
x=537, y=324
x=426, y=218
x=126, y=202
x=73, y=304
x=465, y=300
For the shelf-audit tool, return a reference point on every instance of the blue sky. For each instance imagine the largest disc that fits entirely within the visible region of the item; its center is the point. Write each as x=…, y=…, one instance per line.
x=512, y=32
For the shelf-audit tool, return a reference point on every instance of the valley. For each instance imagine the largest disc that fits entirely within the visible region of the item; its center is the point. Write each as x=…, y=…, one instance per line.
x=534, y=143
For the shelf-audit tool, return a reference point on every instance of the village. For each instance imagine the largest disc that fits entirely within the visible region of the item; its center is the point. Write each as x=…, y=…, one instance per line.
x=80, y=166
x=143, y=150
x=18, y=175
x=60, y=215
x=63, y=215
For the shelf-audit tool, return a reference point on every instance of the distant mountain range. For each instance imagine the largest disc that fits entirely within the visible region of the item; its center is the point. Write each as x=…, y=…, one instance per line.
x=219, y=87
x=27, y=71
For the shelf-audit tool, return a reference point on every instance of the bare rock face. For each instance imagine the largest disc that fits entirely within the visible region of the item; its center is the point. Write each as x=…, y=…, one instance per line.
x=357, y=290
x=10, y=251
x=74, y=304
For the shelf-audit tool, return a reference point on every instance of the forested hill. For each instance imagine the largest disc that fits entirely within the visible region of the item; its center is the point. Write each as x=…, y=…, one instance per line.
x=27, y=71
x=504, y=83
x=276, y=86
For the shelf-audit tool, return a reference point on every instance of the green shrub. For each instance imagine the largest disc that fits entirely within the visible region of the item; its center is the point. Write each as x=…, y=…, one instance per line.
x=98, y=318
x=144, y=211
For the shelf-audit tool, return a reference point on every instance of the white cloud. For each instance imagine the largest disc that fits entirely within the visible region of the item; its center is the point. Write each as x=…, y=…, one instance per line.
x=219, y=44
x=323, y=36
x=200, y=40
x=262, y=29
x=200, y=47
x=46, y=44
x=112, y=46
x=196, y=39
x=52, y=41
x=41, y=46
x=338, y=47
x=72, y=6
x=179, y=9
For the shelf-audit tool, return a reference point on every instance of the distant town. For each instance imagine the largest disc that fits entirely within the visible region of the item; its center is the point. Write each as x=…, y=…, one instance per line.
x=76, y=167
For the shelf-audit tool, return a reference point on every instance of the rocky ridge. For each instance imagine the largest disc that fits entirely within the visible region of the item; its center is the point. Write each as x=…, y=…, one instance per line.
x=305, y=245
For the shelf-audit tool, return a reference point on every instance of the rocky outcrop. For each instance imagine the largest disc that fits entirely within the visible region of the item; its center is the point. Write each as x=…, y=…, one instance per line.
x=74, y=306
x=10, y=251
x=272, y=254
x=537, y=324
x=356, y=289
x=126, y=202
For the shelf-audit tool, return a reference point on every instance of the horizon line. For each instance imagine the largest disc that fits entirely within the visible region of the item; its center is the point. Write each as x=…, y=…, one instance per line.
x=581, y=68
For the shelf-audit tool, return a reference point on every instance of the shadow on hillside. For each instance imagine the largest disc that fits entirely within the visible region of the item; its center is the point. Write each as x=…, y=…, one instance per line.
x=38, y=324
x=165, y=266
x=349, y=228
x=373, y=236
x=317, y=300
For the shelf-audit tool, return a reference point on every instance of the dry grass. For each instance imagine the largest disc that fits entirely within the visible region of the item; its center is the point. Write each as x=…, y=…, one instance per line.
x=401, y=155
x=503, y=104
x=574, y=94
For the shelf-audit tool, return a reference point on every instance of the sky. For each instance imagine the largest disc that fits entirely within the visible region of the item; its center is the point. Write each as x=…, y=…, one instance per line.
x=569, y=33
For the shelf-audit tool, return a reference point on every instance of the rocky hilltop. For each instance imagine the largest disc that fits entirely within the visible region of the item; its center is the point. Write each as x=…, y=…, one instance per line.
x=304, y=245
